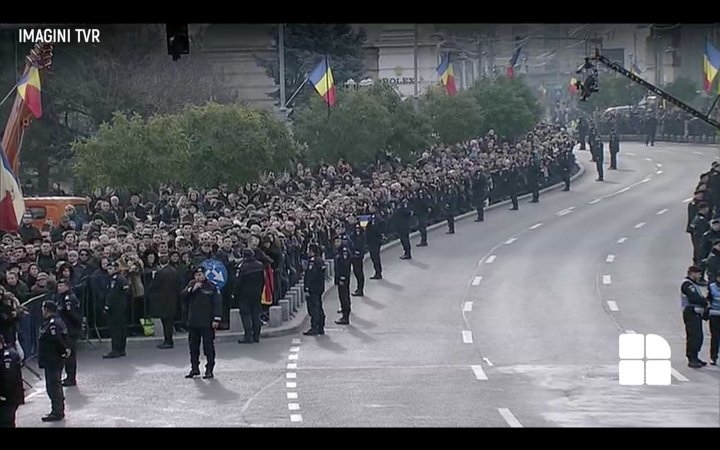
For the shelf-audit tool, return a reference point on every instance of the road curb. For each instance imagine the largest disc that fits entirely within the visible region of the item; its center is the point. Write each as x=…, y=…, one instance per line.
x=298, y=322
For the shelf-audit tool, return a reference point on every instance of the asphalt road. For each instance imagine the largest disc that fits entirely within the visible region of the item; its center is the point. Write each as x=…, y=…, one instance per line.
x=505, y=323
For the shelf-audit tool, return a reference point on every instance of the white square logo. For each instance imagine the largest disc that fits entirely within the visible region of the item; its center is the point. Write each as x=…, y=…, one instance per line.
x=644, y=359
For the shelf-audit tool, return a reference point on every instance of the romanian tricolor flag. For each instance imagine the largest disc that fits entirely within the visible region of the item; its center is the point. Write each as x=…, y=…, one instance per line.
x=447, y=76
x=12, y=205
x=573, y=85
x=711, y=65
x=513, y=62
x=29, y=89
x=322, y=79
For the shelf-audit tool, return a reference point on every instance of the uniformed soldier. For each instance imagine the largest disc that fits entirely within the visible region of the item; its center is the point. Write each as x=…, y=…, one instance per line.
x=12, y=392
x=449, y=200
x=582, y=132
x=698, y=227
x=510, y=177
x=710, y=236
x=117, y=298
x=534, y=175
x=373, y=235
x=614, y=149
x=52, y=351
x=402, y=217
x=204, y=307
x=70, y=314
x=592, y=137
x=713, y=313
x=356, y=235
x=421, y=210
x=248, y=288
x=314, y=282
x=343, y=262
x=599, y=153
x=690, y=299
x=566, y=161
x=479, y=191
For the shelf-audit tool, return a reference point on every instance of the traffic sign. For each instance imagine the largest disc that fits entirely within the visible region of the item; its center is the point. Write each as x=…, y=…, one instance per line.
x=215, y=272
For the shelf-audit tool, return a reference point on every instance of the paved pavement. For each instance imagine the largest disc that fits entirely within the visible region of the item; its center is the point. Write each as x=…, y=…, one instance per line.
x=506, y=323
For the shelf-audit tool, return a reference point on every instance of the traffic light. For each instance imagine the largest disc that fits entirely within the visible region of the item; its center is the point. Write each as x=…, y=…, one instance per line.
x=178, y=40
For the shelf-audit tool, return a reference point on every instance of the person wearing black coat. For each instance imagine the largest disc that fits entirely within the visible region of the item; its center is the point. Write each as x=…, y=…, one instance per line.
x=599, y=154
x=712, y=263
x=534, y=176
x=373, y=234
x=12, y=391
x=163, y=296
x=614, y=149
x=710, y=236
x=449, y=199
x=314, y=282
x=69, y=309
x=9, y=316
x=566, y=161
x=356, y=236
x=510, y=177
x=53, y=349
x=479, y=192
x=248, y=288
x=117, y=299
x=699, y=226
x=343, y=263
x=402, y=217
x=582, y=132
x=421, y=210
x=204, y=308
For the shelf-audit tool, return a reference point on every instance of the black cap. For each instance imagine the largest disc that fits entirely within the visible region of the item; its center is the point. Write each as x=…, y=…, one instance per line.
x=199, y=269
x=314, y=248
x=694, y=269
x=50, y=305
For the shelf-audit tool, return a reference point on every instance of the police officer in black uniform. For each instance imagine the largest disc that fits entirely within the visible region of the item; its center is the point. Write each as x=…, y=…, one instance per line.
x=69, y=308
x=698, y=227
x=117, y=298
x=614, y=149
x=510, y=177
x=592, y=136
x=599, y=155
x=12, y=392
x=356, y=236
x=204, y=307
x=479, y=193
x=52, y=352
x=373, y=237
x=650, y=129
x=421, y=210
x=314, y=282
x=449, y=199
x=248, y=288
x=402, y=217
x=690, y=299
x=534, y=175
x=343, y=262
x=582, y=132
x=566, y=161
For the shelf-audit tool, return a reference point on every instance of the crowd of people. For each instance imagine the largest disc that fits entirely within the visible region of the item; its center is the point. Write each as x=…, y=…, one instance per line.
x=703, y=225
x=636, y=121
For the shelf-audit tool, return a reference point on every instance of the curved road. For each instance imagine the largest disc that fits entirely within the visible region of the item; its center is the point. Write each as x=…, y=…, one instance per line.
x=506, y=323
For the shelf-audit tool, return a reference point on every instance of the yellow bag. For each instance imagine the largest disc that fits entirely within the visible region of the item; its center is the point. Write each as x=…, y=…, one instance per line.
x=148, y=327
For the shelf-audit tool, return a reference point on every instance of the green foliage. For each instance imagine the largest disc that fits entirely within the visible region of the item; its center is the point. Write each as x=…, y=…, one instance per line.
x=510, y=107
x=453, y=118
x=685, y=90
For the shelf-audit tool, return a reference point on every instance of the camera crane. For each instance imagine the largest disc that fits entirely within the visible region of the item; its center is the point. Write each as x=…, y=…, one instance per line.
x=656, y=90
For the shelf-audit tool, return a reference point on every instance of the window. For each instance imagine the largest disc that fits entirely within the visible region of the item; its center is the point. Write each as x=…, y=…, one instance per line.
x=38, y=212
x=644, y=360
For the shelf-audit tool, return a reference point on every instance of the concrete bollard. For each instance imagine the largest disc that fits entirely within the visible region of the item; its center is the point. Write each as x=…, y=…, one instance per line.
x=299, y=293
x=275, y=316
x=235, y=320
x=329, y=269
x=294, y=302
x=157, y=328
x=285, y=308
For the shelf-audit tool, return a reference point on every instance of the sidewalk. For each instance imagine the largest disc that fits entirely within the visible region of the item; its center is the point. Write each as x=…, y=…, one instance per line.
x=297, y=323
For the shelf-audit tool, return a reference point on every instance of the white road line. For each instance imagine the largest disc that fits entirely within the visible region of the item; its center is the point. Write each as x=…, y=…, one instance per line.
x=467, y=307
x=479, y=373
x=510, y=241
x=607, y=279
x=292, y=395
x=295, y=417
x=467, y=337
x=292, y=366
x=510, y=418
x=630, y=332
x=476, y=281
x=678, y=376
x=659, y=172
x=294, y=406
x=687, y=200
x=640, y=225
x=698, y=153
x=645, y=180
x=290, y=384
x=291, y=375
x=294, y=349
x=662, y=211
x=658, y=165
x=621, y=240
x=565, y=211
x=487, y=361
x=296, y=341
x=613, y=306
x=623, y=190
x=648, y=159
x=597, y=200
x=490, y=259
x=537, y=225
x=293, y=357
x=630, y=154
x=37, y=391
x=610, y=258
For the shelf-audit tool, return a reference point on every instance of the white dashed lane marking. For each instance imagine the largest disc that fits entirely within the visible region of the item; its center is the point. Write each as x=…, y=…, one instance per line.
x=698, y=153
x=630, y=332
x=640, y=225
x=623, y=190
x=490, y=259
x=510, y=418
x=296, y=341
x=610, y=258
x=467, y=307
x=294, y=406
x=476, y=281
x=294, y=349
x=295, y=417
x=659, y=172
x=648, y=159
x=658, y=165
x=564, y=211
x=292, y=395
x=293, y=357
x=292, y=366
x=613, y=306
x=662, y=211
x=291, y=375
x=621, y=240
x=510, y=241
x=537, y=225
x=467, y=337
x=487, y=361
x=645, y=180
x=479, y=373
x=678, y=376
x=607, y=279
x=291, y=385
x=630, y=154
x=597, y=200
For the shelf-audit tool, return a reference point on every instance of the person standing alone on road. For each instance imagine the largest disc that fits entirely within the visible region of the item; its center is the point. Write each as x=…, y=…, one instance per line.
x=117, y=298
x=52, y=352
x=204, y=307
x=249, y=284
x=690, y=298
x=314, y=282
x=598, y=156
x=614, y=149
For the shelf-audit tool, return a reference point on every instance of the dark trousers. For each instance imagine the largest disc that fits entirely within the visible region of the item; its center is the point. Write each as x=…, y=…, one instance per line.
x=405, y=241
x=375, y=257
x=480, y=207
x=698, y=252
x=451, y=222
x=513, y=198
x=357, y=267
x=693, y=333
x=534, y=188
x=566, y=179
x=599, y=167
x=315, y=310
x=613, y=160
x=7, y=416
x=118, y=337
x=168, y=324
x=422, y=228
x=208, y=340
x=54, y=389
x=71, y=361
x=650, y=137
x=583, y=137
x=714, y=336
x=344, y=294
x=250, y=315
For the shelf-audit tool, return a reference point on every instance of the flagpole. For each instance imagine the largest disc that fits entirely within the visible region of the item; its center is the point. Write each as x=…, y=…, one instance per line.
x=327, y=84
x=297, y=91
x=8, y=95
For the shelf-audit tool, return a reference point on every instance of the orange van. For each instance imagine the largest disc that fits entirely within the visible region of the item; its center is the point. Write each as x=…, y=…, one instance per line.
x=53, y=208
